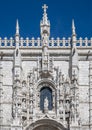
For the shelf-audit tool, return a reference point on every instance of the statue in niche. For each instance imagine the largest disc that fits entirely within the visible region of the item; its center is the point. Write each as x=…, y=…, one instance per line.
x=73, y=110
x=31, y=108
x=61, y=107
x=24, y=88
x=24, y=84
x=46, y=103
x=67, y=89
x=19, y=109
x=24, y=104
x=67, y=106
x=45, y=39
x=31, y=91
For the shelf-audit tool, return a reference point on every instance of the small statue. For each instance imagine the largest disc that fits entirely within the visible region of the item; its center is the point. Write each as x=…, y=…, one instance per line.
x=31, y=92
x=46, y=103
x=24, y=104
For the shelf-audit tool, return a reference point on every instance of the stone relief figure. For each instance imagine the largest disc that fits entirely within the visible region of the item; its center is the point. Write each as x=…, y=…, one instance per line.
x=24, y=104
x=67, y=90
x=45, y=39
x=24, y=88
x=31, y=91
x=61, y=108
x=31, y=108
x=67, y=106
x=73, y=109
x=72, y=113
x=19, y=109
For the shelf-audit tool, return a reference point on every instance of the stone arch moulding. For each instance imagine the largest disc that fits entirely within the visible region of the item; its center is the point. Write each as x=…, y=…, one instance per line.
x=45, y=124
x=46, y=81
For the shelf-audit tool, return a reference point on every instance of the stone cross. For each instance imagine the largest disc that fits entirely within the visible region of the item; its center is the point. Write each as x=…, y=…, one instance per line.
x=45, y=7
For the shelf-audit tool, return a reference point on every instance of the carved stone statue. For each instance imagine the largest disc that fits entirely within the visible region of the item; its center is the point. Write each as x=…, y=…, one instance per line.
x=24, y=104
x=31, y=91
x=46, y=103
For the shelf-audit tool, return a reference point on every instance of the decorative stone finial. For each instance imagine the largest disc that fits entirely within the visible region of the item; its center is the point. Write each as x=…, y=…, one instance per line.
x=45, y=7
x=73, y=28
x=17, y=27
x=45, y=18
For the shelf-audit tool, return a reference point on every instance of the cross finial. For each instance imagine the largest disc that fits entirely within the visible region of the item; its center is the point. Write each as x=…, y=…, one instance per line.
x=45, y=7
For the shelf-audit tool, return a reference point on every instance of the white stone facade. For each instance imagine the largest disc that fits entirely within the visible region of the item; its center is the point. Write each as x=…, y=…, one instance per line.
x=45, y=83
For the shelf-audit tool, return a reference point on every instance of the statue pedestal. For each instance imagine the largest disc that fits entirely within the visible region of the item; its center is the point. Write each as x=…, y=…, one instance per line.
x=45, y=110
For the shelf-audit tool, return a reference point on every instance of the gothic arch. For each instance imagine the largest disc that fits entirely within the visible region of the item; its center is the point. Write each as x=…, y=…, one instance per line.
x=45, y=124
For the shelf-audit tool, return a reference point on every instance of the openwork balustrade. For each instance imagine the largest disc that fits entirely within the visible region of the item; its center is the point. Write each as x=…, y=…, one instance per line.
x=36, y=43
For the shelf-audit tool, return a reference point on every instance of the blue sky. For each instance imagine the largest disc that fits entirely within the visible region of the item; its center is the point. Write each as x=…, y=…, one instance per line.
x=60, y=14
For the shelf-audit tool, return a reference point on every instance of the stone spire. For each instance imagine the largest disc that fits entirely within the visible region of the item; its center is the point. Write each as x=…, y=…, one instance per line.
x=45, y=34
x=17, y=35
x=73, y=34
x=17, y=27
x=17, y=55
x=45, y=23
x=17, y=81
x=74, y=53
x=74, y=71
x=45, y=18
x=73, y=28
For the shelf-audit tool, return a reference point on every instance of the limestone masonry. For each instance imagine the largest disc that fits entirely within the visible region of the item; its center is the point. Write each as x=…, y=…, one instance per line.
x=45, y=83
